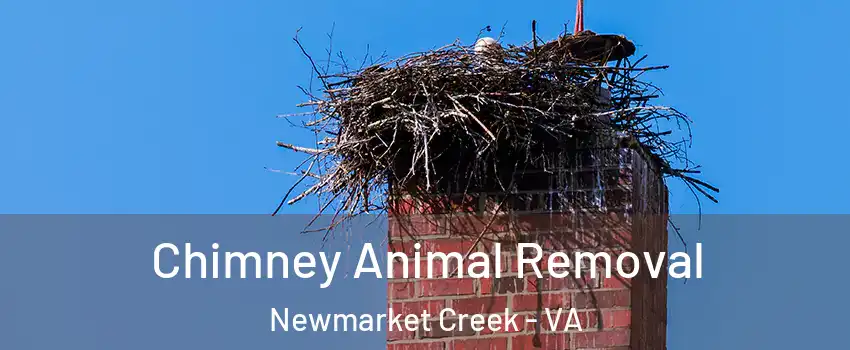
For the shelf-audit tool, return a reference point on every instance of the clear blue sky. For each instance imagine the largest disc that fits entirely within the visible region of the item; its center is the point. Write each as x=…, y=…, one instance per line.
x=167, y=106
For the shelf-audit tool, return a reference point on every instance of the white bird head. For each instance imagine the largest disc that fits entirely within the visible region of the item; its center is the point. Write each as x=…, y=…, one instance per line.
x=486, y=43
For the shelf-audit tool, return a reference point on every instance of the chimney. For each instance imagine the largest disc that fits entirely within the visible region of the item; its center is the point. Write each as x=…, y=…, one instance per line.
x=607, y=197
x=550, y=144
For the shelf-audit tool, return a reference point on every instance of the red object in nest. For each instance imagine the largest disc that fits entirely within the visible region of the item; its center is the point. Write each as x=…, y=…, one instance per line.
x=585, y=45
x=579, y=17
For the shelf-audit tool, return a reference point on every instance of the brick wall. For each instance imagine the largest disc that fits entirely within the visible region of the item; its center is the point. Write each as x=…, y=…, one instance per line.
x=613, y=205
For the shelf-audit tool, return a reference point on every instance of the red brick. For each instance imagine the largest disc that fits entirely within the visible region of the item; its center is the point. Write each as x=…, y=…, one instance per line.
x=401, y=207
x=418, y=346
x=448, y=328
x=485, y=285
x=616, y=282
x=448, y=246
x=414, y=226
x=602, y=299
x=406, y=247
x=499, y=343
x=519, y=325
x=432, y=245
x=601, y=339
x=523, y=342
x=447, y=287
x=543, y=222
x=529, y=302
x=401, y=290
x=400, y=334
x=616, y=318
x=502, y=285
x=480, y=305
x=504, y=266
x=542, y=264
x=548, y=283
x=589, y=320
x=560, y=341
x=398, y=269
x=474, y=225
x=416, y=307
x=534, y=284
x=437, y=204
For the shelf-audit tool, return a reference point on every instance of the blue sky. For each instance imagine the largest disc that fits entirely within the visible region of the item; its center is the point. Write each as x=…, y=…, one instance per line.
x=169, y=106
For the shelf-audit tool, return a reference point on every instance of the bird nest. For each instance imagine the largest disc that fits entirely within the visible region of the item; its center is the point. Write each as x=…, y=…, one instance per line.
x=458, y=120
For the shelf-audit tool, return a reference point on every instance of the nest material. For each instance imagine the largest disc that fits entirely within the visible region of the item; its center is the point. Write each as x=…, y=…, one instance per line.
x=452, y=121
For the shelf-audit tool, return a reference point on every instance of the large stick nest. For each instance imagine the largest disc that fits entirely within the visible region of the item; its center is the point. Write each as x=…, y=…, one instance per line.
x=451, y=121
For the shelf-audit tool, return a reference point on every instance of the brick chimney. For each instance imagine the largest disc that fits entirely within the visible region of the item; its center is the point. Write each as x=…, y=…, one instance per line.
x=603, y=199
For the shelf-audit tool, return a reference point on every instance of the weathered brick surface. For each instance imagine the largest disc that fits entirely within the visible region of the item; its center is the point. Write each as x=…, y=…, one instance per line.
x=616, y=313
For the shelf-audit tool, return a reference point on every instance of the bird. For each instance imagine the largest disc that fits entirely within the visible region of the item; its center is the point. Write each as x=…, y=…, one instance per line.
x=486, y=44
x=489, y=53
